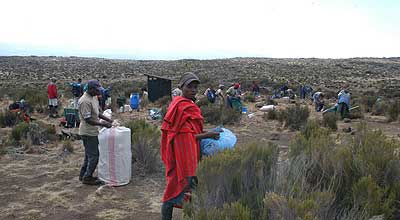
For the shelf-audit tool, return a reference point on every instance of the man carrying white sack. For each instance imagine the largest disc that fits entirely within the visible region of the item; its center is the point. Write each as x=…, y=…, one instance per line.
x=89, y=114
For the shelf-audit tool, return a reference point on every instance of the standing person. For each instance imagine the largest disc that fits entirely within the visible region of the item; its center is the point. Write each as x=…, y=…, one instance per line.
x=232, y=93
x=182, y=128
x=220, y=94
x=77, y=91
x=89, y=113
x=210, y=94
x=176, y=92
x=255, y=89
x=52, y=96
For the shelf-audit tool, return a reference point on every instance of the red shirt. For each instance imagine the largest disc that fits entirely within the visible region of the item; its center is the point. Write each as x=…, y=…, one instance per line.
x=52, y=90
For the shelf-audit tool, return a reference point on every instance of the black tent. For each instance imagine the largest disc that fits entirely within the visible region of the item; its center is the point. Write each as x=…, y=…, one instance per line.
x=158, y=87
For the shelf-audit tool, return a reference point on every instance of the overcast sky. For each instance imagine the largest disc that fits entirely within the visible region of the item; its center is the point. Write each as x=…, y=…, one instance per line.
x=203, y=29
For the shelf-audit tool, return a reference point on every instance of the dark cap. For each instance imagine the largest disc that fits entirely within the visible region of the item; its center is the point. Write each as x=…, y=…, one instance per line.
x=188, y=78
x=94, y=84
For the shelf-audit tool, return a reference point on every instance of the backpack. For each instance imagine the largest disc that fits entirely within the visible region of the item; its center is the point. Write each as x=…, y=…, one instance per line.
x=76, y=89
x=211, y=96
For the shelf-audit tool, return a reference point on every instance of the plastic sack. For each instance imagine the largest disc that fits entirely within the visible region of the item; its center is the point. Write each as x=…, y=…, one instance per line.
x=226, y=140
x=115, y=162
x=267, y=108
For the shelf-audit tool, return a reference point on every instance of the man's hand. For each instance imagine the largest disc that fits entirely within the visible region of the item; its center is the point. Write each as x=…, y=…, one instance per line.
x=213, y=135
x=106, y=124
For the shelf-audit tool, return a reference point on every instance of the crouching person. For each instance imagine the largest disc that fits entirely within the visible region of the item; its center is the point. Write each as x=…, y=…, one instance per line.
x=182, y=129
x=89, y=113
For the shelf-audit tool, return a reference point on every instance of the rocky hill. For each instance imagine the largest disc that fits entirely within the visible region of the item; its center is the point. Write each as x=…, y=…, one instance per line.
x=363, y=73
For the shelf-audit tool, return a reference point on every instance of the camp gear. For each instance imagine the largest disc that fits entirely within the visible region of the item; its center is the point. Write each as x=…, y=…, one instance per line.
x=236, y=103
x=76, y=89
x=115, y=160
x=71, y=116
x=211, y=146
x=134, y=101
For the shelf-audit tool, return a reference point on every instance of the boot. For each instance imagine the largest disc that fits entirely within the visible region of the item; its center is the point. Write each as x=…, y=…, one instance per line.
x=166, y=211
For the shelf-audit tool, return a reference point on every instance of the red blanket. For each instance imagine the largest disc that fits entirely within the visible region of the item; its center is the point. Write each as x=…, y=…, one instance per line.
x=180, y=150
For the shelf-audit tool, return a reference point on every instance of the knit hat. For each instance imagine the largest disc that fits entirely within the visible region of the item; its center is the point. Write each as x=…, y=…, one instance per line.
x=188, y=78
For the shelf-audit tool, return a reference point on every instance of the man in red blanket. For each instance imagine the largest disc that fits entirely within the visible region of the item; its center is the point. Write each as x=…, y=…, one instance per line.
x=182, y=129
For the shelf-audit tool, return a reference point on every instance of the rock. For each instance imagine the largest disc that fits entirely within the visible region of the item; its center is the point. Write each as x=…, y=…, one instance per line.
x=346, y=120
x=347, y=130
x=275, y=137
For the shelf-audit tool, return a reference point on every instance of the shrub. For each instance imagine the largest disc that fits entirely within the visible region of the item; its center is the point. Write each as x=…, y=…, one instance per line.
x=329, y=120
x=294, y=117
x=163, y=101
x=145, y=146
x=215, y=114
x=355, y=177
x=67, y=146
x=202, y=102
x=37, y=133
x=242, y=175
x=380, y=108
x=271, y=115
x=7, y=118
x=19, y=131
x=249, y=97
x=393, y=111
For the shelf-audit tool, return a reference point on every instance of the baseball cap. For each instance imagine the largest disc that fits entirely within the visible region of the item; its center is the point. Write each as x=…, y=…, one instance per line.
x=94, y=84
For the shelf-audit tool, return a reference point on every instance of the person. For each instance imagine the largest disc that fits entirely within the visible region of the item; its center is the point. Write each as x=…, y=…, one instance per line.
x=52, y=96
x=176, y=92
x=220, y=94
x=182, y=128
x=210, y=93
x=343, y=104
x=89, y=113
x=145, y=94
x=104, y=97
x=233, y=95
x=255, y=89
x=318, y=101
x=77, y=91
x=22, y=109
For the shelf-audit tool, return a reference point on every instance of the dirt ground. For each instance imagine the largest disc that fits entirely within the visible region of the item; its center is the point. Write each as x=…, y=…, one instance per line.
x=46, y=185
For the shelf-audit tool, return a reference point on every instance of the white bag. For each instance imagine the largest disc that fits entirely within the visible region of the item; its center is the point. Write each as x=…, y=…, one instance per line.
x=115, y=162
x=267, y=108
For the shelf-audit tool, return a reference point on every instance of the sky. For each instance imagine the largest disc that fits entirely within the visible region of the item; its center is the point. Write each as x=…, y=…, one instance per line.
x=202, y=29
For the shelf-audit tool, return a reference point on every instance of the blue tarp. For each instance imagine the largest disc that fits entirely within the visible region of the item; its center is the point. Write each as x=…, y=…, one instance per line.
x=226, y=140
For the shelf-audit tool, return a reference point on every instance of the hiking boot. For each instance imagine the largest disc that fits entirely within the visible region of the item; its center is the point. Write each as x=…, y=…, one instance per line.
x=89, y=180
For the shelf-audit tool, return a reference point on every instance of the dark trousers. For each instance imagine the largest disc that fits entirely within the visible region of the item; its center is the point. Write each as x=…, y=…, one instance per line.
x=168, y=206
x=91, y=144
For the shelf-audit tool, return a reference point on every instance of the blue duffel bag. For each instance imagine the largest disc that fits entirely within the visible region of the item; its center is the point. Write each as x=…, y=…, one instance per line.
x=226, y=140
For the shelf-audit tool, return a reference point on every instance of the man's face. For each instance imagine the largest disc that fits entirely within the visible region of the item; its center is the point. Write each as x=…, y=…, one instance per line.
x=190, y=90
x=94, y=91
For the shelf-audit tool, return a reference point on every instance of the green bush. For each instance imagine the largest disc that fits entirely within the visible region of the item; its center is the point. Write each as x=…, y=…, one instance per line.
x=231, y=211
x=271, y=115
x=294, y=117
x=216, y=115
x=145, y=146
x=326, y=177
x=242, y=175
x=19, y=131
x=249, y=97
x=7, y=118
x=393, y=111
x=329, y=120
x=163, y=101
